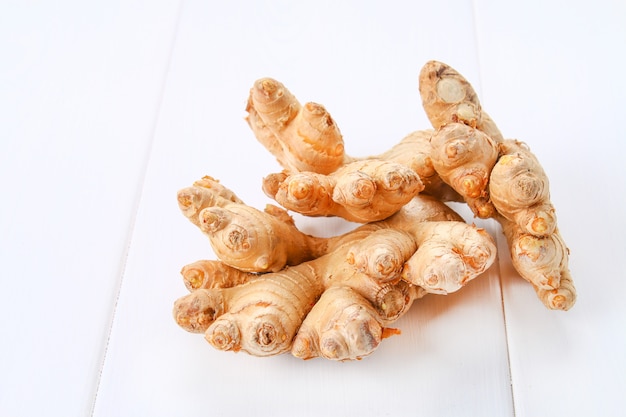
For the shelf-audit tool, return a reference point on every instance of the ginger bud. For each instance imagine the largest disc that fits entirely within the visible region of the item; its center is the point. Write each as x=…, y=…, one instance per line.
x=519, y=190
x=196, y=311
x=224, y=335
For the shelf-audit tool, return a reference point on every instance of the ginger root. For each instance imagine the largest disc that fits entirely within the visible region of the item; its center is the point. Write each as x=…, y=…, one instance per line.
x=516, y=192
x=465, y=158
x=276, y=289
x=243, y=237
x=339, y=304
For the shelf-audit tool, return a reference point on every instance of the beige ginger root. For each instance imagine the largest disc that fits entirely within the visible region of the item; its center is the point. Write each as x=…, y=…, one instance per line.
x=302, y=138
x=519, y=190
x=243, y=237
x=340, y=304
x=515, y=191
x=447, y=97
x=465, y=158
x=276, y=289
x=360, y=191
x=306, y=140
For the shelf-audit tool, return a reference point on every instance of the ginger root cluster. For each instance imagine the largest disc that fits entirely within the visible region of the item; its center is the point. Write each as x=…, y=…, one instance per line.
x=276, y=289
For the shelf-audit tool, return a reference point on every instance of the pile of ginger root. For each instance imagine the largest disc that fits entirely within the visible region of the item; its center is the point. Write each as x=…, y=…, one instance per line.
x=276, y=289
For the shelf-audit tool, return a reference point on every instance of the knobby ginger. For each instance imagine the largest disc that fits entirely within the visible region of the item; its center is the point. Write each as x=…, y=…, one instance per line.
x=381, y=267
x=517, y=193
x=276, y=289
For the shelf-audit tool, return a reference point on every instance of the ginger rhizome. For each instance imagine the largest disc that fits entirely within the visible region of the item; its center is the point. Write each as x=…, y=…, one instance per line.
x=276, y=289
x=516, y=193
x=338, y=304
x=463, y=158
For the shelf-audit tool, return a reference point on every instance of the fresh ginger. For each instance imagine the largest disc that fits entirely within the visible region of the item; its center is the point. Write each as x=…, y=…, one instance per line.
x=447, y=97
x=276, y=289
x=302, y=138
x=465, y=158
x=519, y=190
x=305, y=139
x=340, y=303
x=516, y=193
x=243, y=237
x=360, y=191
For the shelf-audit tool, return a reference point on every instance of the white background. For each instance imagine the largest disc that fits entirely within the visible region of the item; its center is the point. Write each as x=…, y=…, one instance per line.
x=107, y=108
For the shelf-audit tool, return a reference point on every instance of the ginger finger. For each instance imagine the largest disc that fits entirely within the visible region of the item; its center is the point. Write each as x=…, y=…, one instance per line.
x=414, y=151
x=382, y=254
x=447, y=97
x=302, y=138
x=307, y=193
x=207, y=192
x=341, y=326
x=519, y=190
x=212, y=274
x=392, y=300
x=562, y=298
x=380, y=186
x=255, y=241
x=518, y=186
x=259, y=317
x=265, y=323
x=541, y=260
x=244, y=237
x=449, y=255
x=196, y=311
x=360, y=191
x=464, y=157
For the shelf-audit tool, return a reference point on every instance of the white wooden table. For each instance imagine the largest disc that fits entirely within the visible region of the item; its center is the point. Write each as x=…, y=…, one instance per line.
x=107, y=108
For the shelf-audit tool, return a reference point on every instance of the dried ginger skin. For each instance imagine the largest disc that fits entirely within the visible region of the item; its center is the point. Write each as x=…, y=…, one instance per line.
x=294, y=309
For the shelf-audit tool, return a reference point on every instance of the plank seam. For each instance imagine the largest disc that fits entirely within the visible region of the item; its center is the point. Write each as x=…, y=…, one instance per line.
x=498, y=233
x=136, y=206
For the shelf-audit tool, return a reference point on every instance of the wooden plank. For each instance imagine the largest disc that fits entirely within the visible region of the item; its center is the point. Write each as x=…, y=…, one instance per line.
x=553, y=77
x=79, y=92
x=361, y=61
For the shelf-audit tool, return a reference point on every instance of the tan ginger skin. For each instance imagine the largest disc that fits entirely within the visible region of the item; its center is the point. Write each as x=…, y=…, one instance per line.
x=276, y=289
